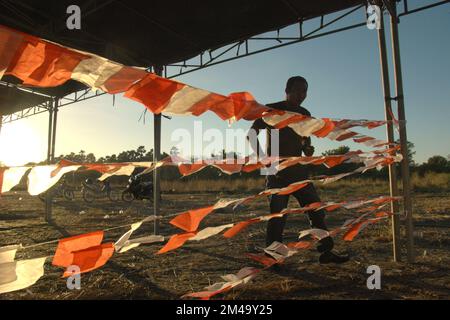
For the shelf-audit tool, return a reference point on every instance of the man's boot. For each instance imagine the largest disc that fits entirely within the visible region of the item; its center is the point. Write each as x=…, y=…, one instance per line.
x=331, y=257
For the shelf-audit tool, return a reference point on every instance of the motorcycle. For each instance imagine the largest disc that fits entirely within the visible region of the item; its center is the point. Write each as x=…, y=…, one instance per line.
x=138, y=189
x=62, y=190
x=92, y=191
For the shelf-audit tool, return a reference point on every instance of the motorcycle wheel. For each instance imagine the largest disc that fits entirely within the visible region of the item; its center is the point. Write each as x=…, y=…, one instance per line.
x=127, y=196
x=88, y=196
x=113, y=196
x=68, y=195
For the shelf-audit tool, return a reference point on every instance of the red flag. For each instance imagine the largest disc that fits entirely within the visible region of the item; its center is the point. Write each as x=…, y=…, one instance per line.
x=176, y=241
x=189, y=168
x=333, y=161
x=263, y=259
x=153, y=91
x=245, y=106
x=64, y=254
x=346, y=135
x=292, y=188
x=190, y=220
x=61, y=164
x=10, y=41
x=374, y=124
x=220, y=105
x=332, y=207
x=300, y=245
x=229, y=168
x=206, y=295
x=355, y=229
x=91, y=258
x=239, y=227
x=252, y=167
x=122, y=80
x=314, y=205
x=288, y=121
x=363, y=139
x=326, y=129
x=44, y=64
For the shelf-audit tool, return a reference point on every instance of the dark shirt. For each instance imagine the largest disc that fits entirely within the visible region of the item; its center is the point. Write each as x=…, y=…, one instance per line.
x=290, y=145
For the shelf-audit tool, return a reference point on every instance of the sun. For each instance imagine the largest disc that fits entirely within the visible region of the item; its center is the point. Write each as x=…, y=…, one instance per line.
x=20, y=144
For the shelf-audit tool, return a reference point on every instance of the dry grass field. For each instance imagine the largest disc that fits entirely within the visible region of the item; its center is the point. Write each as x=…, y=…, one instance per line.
x=140, y=274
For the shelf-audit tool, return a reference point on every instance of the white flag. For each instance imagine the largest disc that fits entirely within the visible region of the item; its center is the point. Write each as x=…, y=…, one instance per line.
x=27, y=273
x=8, y=253
x=12, y=177
x=40, y=179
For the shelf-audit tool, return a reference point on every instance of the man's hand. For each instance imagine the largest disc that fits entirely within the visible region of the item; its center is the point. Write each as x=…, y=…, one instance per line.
x=308, y=151
x=307, y=148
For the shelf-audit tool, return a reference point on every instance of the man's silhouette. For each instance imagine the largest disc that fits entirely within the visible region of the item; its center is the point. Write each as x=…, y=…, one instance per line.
x=293, y=145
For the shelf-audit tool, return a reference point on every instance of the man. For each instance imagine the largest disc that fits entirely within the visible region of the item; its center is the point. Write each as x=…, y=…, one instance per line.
x=106, y=187
x=292, y=145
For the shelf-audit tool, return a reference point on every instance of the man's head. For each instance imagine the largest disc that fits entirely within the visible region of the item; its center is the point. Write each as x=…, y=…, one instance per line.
x=296, y=89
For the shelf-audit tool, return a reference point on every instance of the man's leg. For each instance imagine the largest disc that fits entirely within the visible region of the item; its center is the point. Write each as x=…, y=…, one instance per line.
x=275, y=226
x=308, y=195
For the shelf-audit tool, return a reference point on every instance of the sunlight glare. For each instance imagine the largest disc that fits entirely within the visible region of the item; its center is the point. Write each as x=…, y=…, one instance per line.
x=20, y=144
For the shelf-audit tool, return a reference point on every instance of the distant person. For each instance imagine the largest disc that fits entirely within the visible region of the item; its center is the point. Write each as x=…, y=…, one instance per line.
x=106, y=187
x=293, y=145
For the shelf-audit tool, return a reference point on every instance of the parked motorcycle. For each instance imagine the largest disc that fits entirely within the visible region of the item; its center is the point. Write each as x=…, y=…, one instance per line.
x=62, y=189
x=138, y=189
x=92, y=191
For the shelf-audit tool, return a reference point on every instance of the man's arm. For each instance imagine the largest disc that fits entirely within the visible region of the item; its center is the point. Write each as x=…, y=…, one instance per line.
x=252, y=137
x=308, y=149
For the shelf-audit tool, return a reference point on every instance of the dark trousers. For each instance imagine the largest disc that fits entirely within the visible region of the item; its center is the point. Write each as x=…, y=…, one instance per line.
x=304, y=196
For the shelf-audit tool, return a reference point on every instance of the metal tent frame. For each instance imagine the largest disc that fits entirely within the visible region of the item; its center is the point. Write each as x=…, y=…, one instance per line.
x=234, y=51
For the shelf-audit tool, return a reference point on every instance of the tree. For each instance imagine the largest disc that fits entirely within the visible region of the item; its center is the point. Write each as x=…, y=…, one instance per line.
x=148, y=156
x=437, y=164
x=81, y=156
x=90, y=157
x=141, y=152
x=437, y=161
x=111, y=158
x=410, y=147
x=124, y=156
x=337, y=151
x=72, y=156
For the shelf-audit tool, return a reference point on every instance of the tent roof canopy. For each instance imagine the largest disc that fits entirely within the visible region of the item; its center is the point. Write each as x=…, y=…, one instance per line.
x=145, y=33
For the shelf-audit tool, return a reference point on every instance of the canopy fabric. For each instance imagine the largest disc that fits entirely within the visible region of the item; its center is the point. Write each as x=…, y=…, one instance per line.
x=144, y=33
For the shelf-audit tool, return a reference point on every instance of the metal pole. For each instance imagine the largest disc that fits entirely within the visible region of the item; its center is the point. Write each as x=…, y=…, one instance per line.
x=156, y=157
x=55, y=118
x=48, y=199
x=390, y=137
x=407, y=201
x=1, y=123
x=50, y=125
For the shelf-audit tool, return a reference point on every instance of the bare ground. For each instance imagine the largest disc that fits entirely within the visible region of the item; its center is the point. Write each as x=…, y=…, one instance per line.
x=140, y=274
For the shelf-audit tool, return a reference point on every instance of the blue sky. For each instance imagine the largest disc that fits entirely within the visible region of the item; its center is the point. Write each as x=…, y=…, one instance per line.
x=344, y=82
